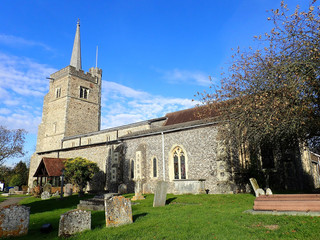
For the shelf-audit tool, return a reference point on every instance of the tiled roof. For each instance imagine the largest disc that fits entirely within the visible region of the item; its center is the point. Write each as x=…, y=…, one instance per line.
x=52, y=167
x=191, y=114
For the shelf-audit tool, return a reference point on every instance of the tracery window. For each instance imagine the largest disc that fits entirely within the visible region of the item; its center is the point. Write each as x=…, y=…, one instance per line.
x=179, y=163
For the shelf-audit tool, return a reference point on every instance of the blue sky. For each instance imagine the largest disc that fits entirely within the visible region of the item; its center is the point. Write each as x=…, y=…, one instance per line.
x=155, y=54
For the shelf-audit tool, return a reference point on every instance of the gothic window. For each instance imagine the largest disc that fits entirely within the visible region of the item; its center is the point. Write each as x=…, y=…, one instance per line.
x=154, y=167
x=179, y=163
x=84, y=92
x=58, y=92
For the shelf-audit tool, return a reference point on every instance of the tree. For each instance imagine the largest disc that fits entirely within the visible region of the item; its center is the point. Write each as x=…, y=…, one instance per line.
x=271, y=95
x=11, y=143
x=79, y=171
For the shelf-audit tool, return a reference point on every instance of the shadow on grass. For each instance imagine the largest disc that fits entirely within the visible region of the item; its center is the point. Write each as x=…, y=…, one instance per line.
x=98, y=219
x=135, y=217
x=169, y=200
x=55, y=203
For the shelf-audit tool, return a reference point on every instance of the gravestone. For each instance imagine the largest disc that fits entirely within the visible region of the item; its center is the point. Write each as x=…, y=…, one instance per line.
x=11, y=191
x=16, y=188
x=68, y=189
x=56, y=194
x=268, y=192
x=258, y=191
x=160, y=194
x=45, y=195
x=138, y=191
x=73, y=222
x=47, y=187
x=14, y=220
x=122, y=189
x=118, y=211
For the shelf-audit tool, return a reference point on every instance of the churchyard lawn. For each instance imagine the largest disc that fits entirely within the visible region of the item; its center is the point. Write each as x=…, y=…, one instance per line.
x=184, y=217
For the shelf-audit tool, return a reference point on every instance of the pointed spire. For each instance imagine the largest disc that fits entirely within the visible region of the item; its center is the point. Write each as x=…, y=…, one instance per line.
x=76, y=51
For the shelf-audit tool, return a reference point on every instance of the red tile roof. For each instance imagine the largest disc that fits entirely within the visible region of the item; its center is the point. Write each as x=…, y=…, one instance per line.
x=50, y=167
x=191, y=114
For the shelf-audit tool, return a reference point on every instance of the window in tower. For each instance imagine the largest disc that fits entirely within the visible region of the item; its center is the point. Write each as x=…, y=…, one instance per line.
x=58, y=92
x=84, y=92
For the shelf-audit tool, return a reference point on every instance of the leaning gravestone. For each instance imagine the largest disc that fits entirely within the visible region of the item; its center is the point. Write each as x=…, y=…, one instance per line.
x=68, y=189
x=14, y=220
x=47, y=187
x=118, y=211
x=160, y=194
x=45, y=195
x=258, y=191
x=122, y=189
x=74, y=221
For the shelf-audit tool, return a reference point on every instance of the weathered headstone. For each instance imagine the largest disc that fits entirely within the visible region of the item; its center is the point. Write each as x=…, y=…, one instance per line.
x=258, y=191
x=45, y=195
x=68, y=189
x=14, y=220
x=47, y=187
x=74, y=221
x=118, y=211
x=268, y=191
x=11, y=191
x=122, y=189
x=16, y=188
x=160, y=194
x=138, y=191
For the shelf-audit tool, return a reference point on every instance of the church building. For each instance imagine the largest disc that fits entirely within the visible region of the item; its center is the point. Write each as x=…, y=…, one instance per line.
x=180, y=147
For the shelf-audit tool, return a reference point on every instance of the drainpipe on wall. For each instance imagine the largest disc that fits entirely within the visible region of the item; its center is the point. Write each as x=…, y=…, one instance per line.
x=163, y=166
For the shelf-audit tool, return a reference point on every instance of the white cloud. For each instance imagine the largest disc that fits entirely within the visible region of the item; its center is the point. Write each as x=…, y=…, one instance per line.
x=186, y=76
x=123, y=105
x=18, y=41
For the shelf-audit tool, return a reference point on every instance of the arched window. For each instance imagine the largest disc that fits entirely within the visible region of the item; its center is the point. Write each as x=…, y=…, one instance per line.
x=132, y=169
x=179, y=163
x=154, y=167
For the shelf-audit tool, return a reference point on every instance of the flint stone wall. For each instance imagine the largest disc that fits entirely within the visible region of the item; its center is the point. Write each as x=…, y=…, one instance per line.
x=14, y=220
x=118, y=211
x=73, y=222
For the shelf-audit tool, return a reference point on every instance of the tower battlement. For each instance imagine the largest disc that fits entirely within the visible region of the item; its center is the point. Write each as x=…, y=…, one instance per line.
x=93, y=75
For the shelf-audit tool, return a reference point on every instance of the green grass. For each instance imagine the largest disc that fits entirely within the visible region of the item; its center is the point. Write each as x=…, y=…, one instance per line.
x=184, y=217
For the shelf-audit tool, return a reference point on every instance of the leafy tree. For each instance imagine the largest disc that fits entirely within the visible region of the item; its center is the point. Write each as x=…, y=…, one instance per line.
x=272, y=94
x=11, y=143
x=16, y=180
x=79, y=171
x=21, y=170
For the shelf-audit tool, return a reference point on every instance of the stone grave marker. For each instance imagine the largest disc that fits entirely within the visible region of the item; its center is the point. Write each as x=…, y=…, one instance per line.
x=45, y=195
x=122, y=189
x=14, y=220
x=118, y=211
x=160, y=194
x=138, y=191
x=68, y=189
x=16, y=188
x=74, y=221
x=258, y=191
x=11, y=191
x=47, y=187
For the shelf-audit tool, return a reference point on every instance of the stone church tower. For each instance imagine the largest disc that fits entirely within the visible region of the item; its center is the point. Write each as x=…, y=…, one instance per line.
x=73, y=103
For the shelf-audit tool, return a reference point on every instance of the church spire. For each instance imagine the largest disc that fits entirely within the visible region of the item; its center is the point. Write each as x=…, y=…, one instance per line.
x=76, y=51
